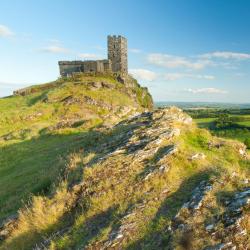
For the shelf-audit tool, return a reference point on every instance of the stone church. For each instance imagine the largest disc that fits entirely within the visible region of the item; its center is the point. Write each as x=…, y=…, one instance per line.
x=117, y=61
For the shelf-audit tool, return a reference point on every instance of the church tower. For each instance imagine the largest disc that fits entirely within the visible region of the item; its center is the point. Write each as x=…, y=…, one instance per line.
x=118, y=54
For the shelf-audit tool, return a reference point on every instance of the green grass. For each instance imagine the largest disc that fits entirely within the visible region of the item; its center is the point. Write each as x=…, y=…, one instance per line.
x=31, y=153
x=30, y=167
x=63, y=188
x=240, y=133
x=111, y=188
x=244, y=123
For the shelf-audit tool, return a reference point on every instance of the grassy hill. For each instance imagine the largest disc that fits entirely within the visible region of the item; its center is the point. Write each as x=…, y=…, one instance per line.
x=95, y=171
x=238, y=127
x=39, y=130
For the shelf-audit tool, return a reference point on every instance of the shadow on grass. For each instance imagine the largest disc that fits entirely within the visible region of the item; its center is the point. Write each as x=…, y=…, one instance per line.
x=92, y=228
x=41, y=97
x=157, y=236
x=32, y=166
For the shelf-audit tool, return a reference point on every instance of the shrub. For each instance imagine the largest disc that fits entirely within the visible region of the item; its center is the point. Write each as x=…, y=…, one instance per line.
x=247, y=142
x=224, y=121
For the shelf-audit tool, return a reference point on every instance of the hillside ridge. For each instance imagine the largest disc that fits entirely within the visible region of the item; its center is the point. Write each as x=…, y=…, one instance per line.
x=153, y=180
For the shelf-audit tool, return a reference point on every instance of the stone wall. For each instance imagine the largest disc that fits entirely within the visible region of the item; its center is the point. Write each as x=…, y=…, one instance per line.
x=70, y=67
x=117, y=61
x=117, y=53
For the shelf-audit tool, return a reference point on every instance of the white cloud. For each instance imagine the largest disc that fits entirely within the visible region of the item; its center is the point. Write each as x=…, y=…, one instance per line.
x=225, y=55
x=89, y=56
x=176, y=76
x=206, y=91
x=143, y=74
x=135, y=51
x=54, y=49
x=5, y=31
x=170, y=61
x=148, y=75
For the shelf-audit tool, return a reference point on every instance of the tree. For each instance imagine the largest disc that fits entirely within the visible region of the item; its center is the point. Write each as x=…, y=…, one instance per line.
x=247, y=143
x=223, y=121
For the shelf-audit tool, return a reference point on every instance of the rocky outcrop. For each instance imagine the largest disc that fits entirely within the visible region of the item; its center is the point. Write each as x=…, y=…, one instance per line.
x=6, y=226
x=227, y=229
x=233, y=220
x=133, y=176
x=198, y=195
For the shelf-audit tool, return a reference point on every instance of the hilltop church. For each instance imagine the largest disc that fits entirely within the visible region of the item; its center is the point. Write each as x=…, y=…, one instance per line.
x=117, y=61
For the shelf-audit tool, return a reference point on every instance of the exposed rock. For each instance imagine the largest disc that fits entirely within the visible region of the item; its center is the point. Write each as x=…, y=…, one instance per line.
x=99, y=84
x=221, y=246
x=209, y=227
x=148, y=175
x=117, y=236
x=242, y=149
x=33, y=116
x=198, y=156
x=20, y=134
x=240, y=200
x=66, y=124
x=22, y=92
x=7, y=226
x=216, y=144
x=198, y=196
x=233, y=216
x=164, y=168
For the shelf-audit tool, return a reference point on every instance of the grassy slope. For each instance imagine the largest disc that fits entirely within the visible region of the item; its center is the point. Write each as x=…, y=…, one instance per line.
x=94, y=196
x=31, y=155
x=238, y=134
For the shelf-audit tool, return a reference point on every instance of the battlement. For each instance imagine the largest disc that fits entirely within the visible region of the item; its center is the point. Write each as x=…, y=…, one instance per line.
x=117, y=60
x=116, y=37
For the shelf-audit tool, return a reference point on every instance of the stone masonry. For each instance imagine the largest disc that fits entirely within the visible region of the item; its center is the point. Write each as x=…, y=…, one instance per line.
x=117, y=53
x=117, y=61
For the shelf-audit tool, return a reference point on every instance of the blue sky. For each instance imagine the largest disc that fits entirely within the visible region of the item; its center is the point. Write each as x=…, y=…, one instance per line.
x=181, y=50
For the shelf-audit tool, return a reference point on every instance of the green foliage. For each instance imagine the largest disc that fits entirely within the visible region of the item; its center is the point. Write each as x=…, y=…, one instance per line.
x=215, y=112
x=247, y=142
x=230, y=123
x=223, y=121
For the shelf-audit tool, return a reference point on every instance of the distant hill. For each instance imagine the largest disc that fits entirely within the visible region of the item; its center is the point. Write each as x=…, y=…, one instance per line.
x=87, y=163
x=188, y=105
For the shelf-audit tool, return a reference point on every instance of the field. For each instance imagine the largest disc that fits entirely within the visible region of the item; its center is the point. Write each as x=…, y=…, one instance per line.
x=238, y=129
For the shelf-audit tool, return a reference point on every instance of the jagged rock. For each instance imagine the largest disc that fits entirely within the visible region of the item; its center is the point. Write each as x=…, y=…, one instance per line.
x=187, y=120
x=117, y=236
x=216, y=144
x=221, y=246
x=198, y=156
x=198, y=196
x=7, y=226
x=66, y=124
x=20, y=134
x=7, y=137
x=164, y=168
x=246, y=181
x=147, y=176
x=240, y=200
x=242, y=151
x=97, y=84
x=209, y=227
x=233, y=216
